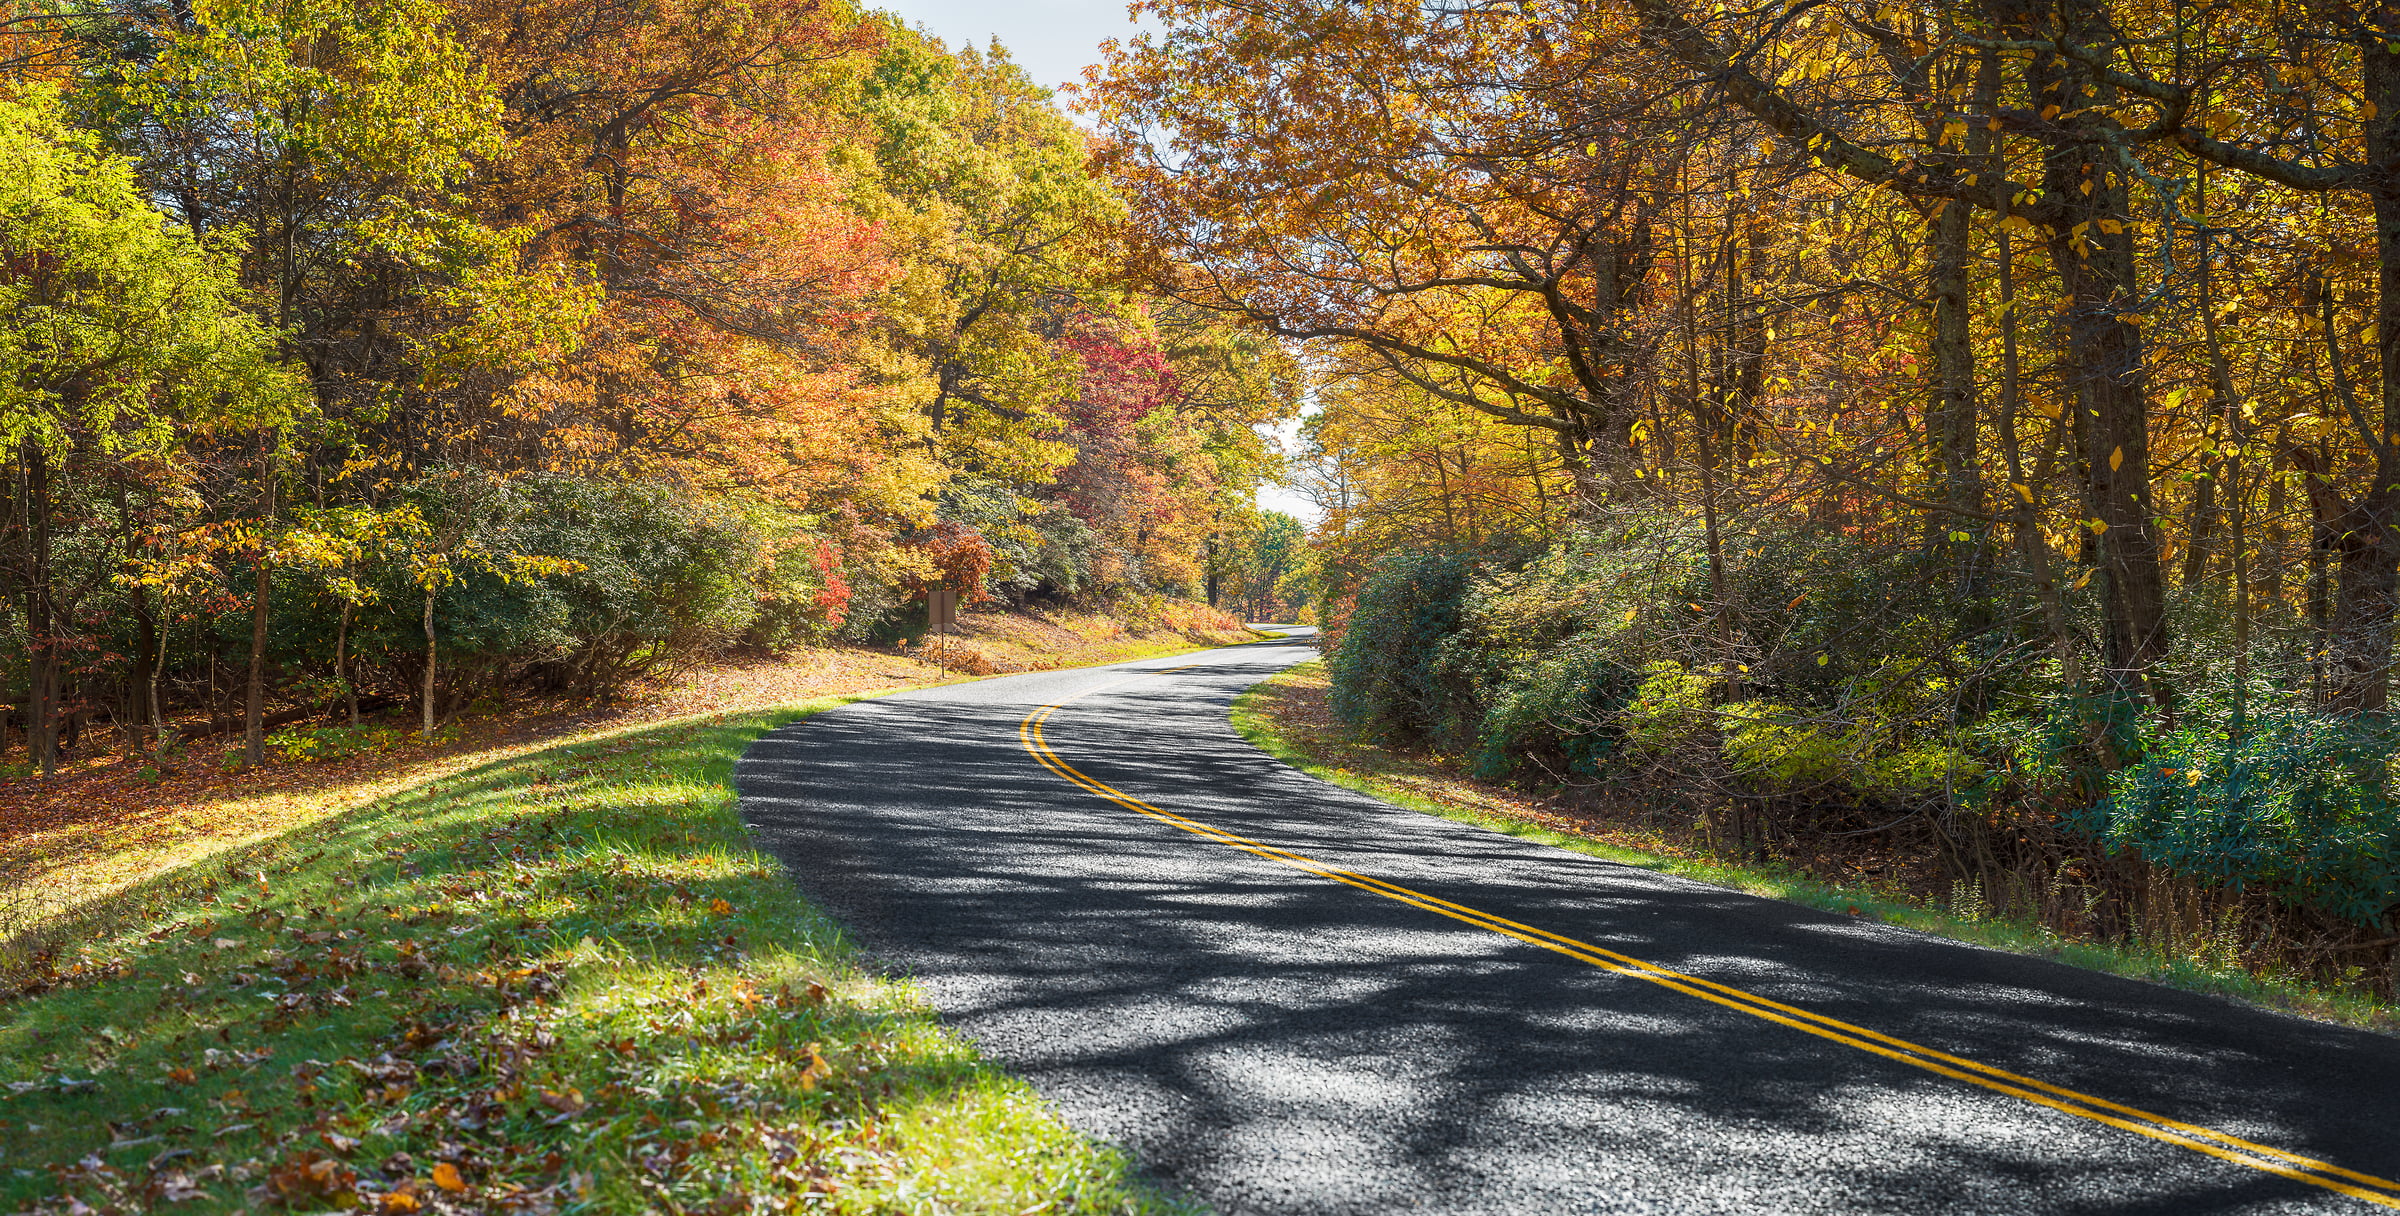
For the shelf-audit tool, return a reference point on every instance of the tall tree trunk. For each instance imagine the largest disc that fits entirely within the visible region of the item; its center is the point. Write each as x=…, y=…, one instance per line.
x=2024, y=518
x=41, y=625
x=341, y=662
x=254, y=701
x=1211, y=560
x=2230, y=469
x=145, y=716
x=12, y=567
x=2268, y=575
x=2092, y=246
x=1741, y=350
x=1953, y=414
x=430, y=654
x=2366, y=528
x=2320, y=544
x=2199, y=526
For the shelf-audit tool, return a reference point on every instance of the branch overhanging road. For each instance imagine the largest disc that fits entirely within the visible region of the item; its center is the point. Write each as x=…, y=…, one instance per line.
x=1284, y=997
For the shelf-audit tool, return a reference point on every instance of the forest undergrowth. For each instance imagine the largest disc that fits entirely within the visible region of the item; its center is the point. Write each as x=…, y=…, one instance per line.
x=1292, y=716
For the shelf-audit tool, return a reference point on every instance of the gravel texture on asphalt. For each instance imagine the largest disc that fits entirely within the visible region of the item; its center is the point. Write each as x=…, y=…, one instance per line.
x=1268, y=1041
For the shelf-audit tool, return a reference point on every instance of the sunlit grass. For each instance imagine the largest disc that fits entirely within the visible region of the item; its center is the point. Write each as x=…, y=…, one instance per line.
x=1372, y=772
x=562, y=981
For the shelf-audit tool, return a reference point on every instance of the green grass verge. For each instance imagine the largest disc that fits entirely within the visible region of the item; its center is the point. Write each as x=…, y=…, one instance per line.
x=2218, y=974
x=563, y=982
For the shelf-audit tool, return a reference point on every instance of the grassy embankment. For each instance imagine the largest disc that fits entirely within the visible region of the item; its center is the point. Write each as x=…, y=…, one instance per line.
x=556, y=979
x=113, y=818
x=1288, y=717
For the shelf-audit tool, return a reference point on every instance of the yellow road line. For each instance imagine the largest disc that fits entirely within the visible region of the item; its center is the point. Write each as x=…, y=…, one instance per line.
x=2210, y=1141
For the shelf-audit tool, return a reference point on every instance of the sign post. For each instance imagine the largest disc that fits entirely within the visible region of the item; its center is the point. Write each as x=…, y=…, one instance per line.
x=941, y=612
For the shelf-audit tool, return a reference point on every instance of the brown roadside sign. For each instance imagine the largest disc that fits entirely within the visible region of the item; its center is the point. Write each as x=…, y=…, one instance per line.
x=941, y=611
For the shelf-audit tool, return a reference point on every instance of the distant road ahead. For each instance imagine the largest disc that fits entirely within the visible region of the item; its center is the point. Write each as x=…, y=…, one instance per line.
x=1283, y=997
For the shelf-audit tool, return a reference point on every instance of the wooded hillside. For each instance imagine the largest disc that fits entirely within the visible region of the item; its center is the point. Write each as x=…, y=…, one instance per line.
x=407, y=353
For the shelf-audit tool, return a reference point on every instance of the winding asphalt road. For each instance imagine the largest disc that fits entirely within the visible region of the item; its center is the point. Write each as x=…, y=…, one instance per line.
x=1283, y=997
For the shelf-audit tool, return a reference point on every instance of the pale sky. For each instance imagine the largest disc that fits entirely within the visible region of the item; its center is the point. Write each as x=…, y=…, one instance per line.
x=1276, y=498
x=1054, y=39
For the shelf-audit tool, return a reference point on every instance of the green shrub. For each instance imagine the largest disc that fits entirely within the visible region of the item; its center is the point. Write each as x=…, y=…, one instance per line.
x=334, y=742
x=2298, y=803
x=1559, y=713
x=1866, y=754
x=636, y=575
x=1670, y=708
x=1387, y=674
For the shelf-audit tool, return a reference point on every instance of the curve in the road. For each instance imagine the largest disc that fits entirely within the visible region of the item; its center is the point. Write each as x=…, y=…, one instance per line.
x=2381, y=1191
x=1270, y=1041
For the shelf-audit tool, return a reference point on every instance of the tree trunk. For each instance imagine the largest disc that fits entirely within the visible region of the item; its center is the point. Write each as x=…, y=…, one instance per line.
x=2231, y=436
x=2355, y=620
x=2106, y=374
x=2320, y=543
x=2366, y=528
x=2199, y=526
x=1210, y=562
x=254, y=697
x=429, y=660
x=12, y=525
x=1953, y=415
x=145, y=716
x=2024, y=518
x=41, y=719
x=341, y=662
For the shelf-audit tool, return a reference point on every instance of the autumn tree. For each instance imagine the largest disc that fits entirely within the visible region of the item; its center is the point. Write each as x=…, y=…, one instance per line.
x=122, y=341
x=1467, y=200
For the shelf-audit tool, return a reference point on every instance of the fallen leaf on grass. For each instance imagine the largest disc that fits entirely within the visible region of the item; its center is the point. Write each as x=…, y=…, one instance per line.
x=445, y=1176
x=817, y=1068
x=177, y=1188
x=310, y=1174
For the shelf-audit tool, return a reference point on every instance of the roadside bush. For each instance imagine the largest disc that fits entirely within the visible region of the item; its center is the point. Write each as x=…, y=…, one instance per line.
x=656, y=579
x=623, y=578
x=1845, y=690
x=1867, y=754
x=1563, y=714
x=1388, y=673
x=1603, y=654
x=1150, y=611
x=2298, y=803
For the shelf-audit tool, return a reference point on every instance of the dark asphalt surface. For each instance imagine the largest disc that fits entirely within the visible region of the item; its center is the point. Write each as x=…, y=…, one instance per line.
x=1267, y=1041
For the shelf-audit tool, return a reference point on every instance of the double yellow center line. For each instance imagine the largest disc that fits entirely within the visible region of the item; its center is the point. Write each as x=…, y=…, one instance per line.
x=2221, y=1145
